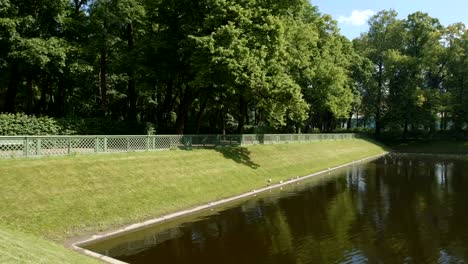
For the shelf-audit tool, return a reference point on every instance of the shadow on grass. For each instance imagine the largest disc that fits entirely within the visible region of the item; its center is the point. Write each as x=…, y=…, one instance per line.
x=238, y=154
x=379, y=143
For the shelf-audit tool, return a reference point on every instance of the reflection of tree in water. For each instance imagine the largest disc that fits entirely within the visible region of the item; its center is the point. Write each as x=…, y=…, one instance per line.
x=419, y=210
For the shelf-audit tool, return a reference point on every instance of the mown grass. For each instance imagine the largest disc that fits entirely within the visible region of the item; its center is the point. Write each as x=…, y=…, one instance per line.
x=16, y=247
x=60, y=198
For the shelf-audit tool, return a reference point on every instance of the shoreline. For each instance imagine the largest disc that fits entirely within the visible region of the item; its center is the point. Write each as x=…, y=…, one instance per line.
x=78, y=243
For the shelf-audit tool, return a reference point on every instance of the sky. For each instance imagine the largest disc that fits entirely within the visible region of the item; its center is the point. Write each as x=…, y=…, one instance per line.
x=352, y=15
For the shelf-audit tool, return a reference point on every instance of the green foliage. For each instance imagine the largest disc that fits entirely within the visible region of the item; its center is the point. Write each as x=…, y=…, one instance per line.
x=418, y=68
x=227, y=66
x=101, y=126
x=358, y=130
x=21, y=124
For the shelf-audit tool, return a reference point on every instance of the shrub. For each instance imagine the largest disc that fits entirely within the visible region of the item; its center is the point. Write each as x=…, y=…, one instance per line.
x=21, y=124
x=359, y=130
x=101, y=126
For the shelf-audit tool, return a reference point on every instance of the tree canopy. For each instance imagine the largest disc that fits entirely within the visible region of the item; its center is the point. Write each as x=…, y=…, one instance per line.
x=230, y=66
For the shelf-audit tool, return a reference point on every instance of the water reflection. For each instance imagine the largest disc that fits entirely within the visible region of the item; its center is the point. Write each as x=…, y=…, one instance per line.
x=398, y=209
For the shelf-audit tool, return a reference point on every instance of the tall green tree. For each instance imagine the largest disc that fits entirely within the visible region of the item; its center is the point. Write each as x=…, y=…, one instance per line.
x=456, y=83
x=32, y=51
x=382, y=37
x=245, y=44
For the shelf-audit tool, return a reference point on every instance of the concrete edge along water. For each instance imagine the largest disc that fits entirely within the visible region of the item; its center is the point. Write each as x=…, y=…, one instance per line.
x=79, y=246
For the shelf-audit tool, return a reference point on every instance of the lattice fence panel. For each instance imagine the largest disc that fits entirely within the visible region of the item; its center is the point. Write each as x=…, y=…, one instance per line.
x=249, y=140
x=116, y=144
x=268, y=139
x=11, y=148
x=177, y=142
x=161, y=143
x=201, y=141
x=52, y=146
x=137, y=143
x=82, y=145
x=234, y=140
x=64, y=145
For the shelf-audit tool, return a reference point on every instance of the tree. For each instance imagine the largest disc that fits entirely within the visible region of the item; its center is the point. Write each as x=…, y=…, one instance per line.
x=32, y=49
x=456, y=81
x=414, y=72
x=246, y=46
x=383, y=36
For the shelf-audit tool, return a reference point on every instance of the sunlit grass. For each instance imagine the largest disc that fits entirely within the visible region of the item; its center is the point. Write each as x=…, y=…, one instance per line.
x=16, y=247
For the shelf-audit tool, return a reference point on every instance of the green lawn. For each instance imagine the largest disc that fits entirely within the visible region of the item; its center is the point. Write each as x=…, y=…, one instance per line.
x=60, y=198
x=16, y=247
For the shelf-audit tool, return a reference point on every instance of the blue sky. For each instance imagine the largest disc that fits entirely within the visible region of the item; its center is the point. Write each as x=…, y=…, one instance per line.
x=352, y=15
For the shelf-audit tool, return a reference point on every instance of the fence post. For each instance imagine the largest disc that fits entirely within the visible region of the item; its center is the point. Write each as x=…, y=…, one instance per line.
x=38, y=147
x=26, y=147
x=69, y=146
x=147, y=142
x=96, y=145
x=105, y=144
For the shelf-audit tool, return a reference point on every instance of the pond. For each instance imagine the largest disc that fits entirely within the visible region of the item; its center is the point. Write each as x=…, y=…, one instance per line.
x=397, y=209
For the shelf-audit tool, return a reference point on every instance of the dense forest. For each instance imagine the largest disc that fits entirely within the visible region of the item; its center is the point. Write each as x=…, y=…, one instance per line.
x=230, y=66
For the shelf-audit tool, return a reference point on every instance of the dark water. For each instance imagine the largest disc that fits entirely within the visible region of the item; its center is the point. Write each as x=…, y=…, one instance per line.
x=398, y=209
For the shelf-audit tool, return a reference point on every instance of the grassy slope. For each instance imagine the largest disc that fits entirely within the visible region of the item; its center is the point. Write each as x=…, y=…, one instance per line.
x=58, y=198
x=16, y=247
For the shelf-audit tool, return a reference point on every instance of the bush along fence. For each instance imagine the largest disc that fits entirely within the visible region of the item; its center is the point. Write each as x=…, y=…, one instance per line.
x=37, y=146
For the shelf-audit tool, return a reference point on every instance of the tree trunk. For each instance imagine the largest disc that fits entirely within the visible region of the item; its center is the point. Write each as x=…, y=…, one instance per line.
x=103, y=76
x=328, y=122
x=405, y=131
x=350, y=121
x=247, y=119
x=132, y=98
x=132, y=113
x=357, y=119
x=43, y=101
x=444, y=124
x=200, y=114
x=10, y=104
x=441, y=125
x=182, y=112
x=165, y=108
x=29, y=95
x=60, y=102
x=242, y=114
x=78, y=4
x=223, y=120
x=378, y=113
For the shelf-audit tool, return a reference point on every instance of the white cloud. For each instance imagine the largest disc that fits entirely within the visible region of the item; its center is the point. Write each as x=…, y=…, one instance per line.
x=357, y=18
